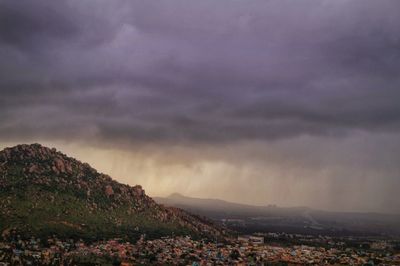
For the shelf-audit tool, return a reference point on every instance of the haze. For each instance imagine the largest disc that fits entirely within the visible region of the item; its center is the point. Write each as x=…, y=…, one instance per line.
x=294, y=103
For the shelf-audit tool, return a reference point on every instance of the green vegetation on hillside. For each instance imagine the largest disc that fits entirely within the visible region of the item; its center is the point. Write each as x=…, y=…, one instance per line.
x=44, y=193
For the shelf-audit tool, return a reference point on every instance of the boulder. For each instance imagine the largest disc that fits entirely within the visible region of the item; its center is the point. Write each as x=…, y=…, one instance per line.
x=59, y=165
x=109, y=191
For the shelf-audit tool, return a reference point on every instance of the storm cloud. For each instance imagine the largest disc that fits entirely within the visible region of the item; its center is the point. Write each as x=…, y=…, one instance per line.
x=193, y=73
x=199, y=71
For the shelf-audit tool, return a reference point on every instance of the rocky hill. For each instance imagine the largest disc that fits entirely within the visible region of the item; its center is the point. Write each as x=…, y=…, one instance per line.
x=44, y=192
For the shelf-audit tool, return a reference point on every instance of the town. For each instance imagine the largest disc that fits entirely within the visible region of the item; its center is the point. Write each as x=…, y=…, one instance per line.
x=260, y=249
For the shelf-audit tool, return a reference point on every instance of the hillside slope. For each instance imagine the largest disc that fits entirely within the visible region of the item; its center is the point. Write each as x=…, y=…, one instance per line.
x=44, y=192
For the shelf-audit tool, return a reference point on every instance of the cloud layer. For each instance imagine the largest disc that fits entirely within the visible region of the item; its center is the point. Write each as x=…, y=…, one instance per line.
x=198, y=71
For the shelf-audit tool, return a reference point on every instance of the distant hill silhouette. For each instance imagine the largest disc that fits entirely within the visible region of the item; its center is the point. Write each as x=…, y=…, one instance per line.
x=247, y=218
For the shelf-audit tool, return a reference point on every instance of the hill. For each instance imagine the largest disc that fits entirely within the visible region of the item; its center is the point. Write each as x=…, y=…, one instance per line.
x=44, y=192
x=249, y=219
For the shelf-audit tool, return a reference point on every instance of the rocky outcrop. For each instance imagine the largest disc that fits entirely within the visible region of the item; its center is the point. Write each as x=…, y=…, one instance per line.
x=27, y=166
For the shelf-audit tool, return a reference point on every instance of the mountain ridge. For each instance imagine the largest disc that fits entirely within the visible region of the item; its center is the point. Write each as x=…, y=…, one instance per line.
x=181, y=197
x=178, y=198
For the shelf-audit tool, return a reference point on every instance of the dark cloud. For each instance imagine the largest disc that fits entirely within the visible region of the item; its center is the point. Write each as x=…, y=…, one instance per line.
x=198, y=71
x=25, y=24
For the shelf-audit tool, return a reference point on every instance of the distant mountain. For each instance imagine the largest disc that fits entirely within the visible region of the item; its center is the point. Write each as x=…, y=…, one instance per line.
x=44, y=192
x=220, y=208
x=247, y=218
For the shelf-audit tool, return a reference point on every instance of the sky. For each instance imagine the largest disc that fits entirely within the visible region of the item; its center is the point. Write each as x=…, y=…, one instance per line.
x=286, y=102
